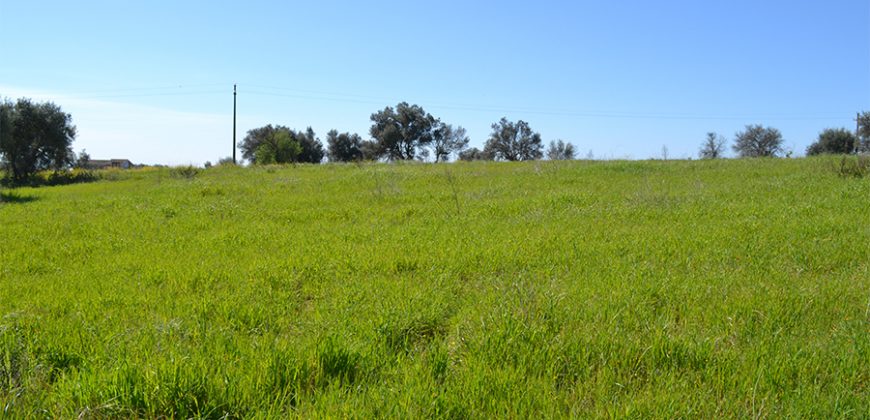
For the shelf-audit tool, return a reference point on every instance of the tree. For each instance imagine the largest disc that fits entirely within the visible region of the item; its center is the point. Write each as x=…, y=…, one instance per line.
x=402, y=133
x=446, y=141
x=758, y=141
x=371, y=150
x=278, y=139
x=281, y=147
x=82, y=160
x=312, y=148
x=864, y=132
x=34, y=137
x=343, y=147
x=255, y=138
x=513, y=141
x=834, y=141
x=559, y=150
x=474, y=153
x=713, y=146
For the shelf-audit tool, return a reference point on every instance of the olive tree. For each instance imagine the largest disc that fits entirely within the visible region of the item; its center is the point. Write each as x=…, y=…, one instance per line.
x=404, y=132
x=513, y=141
x=278, y=144
x=34, y=137
x=344, y=147
x=758, y=141
x=834, y=141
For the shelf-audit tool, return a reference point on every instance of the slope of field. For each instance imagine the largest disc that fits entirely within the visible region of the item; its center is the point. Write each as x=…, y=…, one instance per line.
x=736, y=288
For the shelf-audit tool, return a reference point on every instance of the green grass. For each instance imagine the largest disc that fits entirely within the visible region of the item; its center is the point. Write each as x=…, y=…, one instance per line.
x=734, y=288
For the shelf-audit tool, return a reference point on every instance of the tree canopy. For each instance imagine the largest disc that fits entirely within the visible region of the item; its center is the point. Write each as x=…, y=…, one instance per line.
x=758, y=141
x=34, y=137
x=473, y=154
x=447, y=141
x=864, y=132
x=513, y=141
x=280, y=147
x=279, y=144
x=560, y=150
x=312, y=148
x=344, y=147
x=834, y=141
x=713, y=147
x=402, y=133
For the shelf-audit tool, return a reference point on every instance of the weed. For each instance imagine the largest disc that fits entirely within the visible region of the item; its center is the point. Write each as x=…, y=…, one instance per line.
x=854, y=166
x=184, y=172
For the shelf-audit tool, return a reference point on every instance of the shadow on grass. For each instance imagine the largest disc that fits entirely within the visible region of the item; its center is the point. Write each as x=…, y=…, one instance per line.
x=52, y=178
x=12, y=197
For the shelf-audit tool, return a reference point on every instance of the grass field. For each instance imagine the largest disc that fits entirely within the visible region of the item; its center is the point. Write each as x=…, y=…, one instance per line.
x=732, y=288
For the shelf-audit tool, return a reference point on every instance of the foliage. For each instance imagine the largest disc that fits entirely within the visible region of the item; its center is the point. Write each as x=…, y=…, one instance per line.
x=82, y=160
x=758, y=141
x=834, y=141
x=280, y=144
x=344, y=147
x=513, y=141
x=560, y=150
x=474, y=154
x=34, y=137
x=67, y=177
x=713, y=147
x=280, y=147
x=312, y=148
x=480, y=290
x=53, y=178
x=226, y=161
x=370, y=150
x=864, y=132
x=184, y=172
x=404, y=132
x=447, y=141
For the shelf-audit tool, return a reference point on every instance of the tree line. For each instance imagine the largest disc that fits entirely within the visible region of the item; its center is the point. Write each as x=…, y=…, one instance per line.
x=406, y=132
x=760, y=141
x=39, y=136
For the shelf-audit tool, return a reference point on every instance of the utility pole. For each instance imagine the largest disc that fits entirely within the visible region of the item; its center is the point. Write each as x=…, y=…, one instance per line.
x=234, y=124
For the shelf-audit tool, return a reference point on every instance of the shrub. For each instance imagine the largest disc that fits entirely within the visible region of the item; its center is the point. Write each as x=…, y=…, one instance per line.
x=184, y=172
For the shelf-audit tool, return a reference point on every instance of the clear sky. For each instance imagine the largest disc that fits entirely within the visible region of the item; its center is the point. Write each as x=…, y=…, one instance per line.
x=152, y=80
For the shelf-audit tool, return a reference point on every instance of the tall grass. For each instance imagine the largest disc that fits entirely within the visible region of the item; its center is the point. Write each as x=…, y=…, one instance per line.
x=736, y=288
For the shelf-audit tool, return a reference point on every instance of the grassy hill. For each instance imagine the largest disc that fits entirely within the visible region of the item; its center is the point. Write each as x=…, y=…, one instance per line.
x=736, y=288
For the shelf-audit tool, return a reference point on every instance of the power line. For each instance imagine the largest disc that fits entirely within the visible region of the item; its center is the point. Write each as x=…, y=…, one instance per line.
x=538, y=111
x=101, y=91
x=315, y=95
x=146, y=95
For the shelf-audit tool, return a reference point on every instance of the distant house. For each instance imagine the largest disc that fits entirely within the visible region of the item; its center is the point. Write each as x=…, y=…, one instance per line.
x=111, y=163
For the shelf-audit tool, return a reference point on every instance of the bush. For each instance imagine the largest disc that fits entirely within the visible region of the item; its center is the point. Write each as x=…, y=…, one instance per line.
x=74, y=176
x=51, y=178
x=184, y=172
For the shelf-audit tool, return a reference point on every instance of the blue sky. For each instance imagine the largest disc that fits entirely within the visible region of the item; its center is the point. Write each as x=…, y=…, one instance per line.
x=152, y=80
